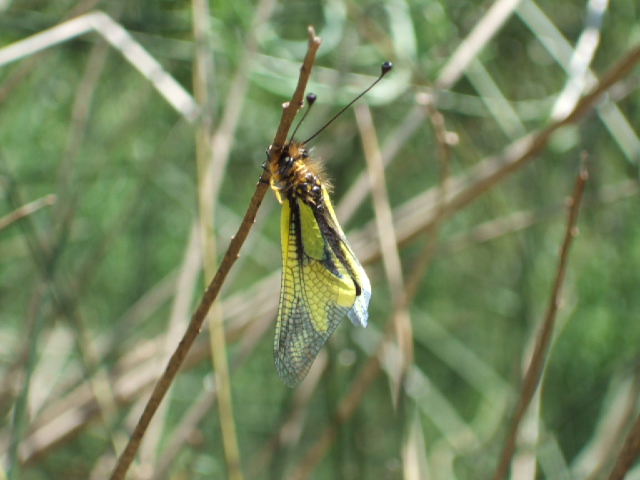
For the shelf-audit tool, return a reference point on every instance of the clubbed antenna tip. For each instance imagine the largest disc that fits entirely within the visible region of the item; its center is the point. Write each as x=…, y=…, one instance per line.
x=311, y=97
x=386, y=68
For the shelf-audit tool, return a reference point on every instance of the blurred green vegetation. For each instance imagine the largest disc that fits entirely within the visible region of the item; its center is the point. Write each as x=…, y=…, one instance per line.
x=88, y=285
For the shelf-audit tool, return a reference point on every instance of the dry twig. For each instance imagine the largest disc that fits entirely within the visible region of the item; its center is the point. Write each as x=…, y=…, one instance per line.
x=628, y=454
x=538, y=358
x=288, y=114
x=27, y=209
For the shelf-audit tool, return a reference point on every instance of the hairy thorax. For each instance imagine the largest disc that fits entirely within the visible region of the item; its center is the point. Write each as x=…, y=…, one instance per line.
x=296, y=174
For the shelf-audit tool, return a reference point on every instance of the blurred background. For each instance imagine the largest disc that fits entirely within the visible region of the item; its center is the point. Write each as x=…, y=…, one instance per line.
x=131, y=141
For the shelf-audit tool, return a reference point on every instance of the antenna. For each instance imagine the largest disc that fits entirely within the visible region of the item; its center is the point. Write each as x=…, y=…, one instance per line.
x=386, y=68
x=311, y=97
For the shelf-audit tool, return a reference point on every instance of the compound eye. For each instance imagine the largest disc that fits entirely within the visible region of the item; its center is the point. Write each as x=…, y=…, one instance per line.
x=285, y=165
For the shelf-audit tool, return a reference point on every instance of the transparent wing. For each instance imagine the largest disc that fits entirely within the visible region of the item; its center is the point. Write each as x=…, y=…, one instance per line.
x=317, y=291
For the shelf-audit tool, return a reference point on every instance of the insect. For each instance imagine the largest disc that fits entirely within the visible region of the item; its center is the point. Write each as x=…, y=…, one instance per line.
x=322, y=280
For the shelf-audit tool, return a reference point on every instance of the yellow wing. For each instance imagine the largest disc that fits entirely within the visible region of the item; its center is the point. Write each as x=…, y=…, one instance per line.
x=358, y=313
x=318, y=287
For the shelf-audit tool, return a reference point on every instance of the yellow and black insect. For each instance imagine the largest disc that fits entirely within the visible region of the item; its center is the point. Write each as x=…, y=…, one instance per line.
x=322, y=280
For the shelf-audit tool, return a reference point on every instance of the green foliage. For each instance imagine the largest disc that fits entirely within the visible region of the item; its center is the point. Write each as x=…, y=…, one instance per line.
x=96, y=289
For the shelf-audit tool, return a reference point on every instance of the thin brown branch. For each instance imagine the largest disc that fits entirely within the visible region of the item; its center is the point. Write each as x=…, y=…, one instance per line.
x=609, y=434
x=213, y=146
x=538, y=358
x=211, y=293
x=184, y=287
x=628, y=454
x=199, y=408
x=26, y=210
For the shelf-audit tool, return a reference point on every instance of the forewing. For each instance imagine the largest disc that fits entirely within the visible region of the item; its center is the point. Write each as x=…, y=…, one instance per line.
x=316, y=293
x=358, y=314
